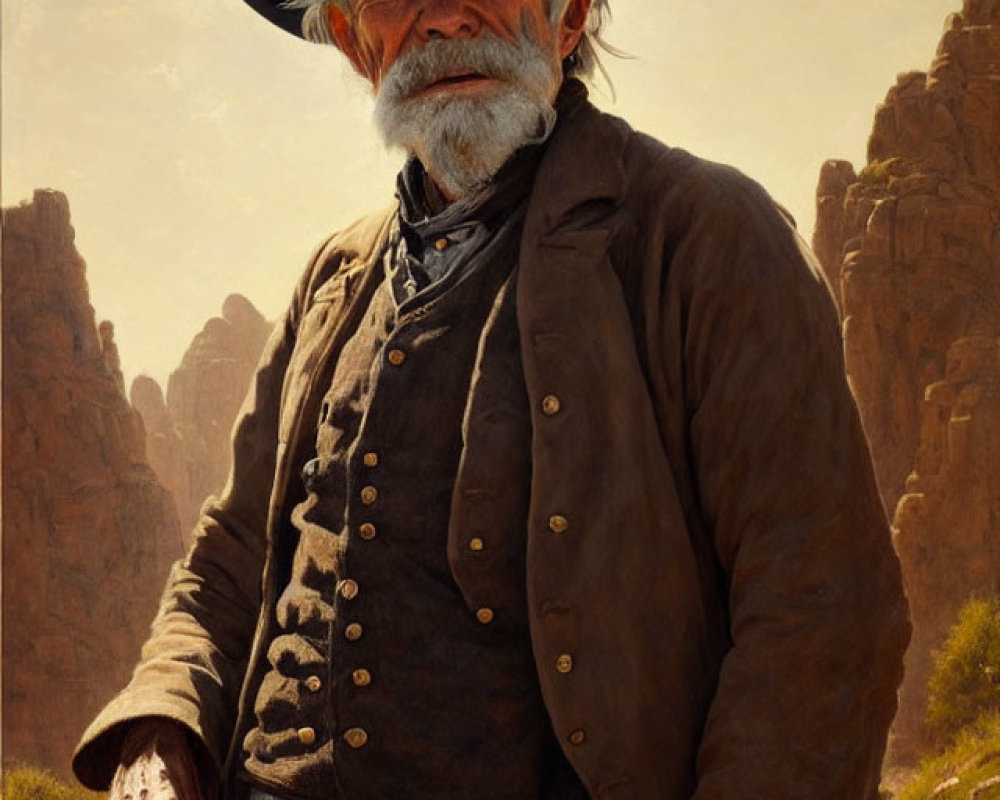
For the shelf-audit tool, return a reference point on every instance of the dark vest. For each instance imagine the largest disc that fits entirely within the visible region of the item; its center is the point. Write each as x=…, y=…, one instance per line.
x=389, y=679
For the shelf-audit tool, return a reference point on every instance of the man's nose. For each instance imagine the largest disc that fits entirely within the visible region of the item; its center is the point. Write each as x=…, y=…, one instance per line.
x=448, y=19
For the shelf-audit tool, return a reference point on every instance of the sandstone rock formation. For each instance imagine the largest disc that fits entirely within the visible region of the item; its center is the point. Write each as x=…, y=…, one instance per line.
x=109, y=352
x=913, y=242
x=948, y=522
x=164, y=447
x=87, y=529
x=829, y=238
x=188, y=433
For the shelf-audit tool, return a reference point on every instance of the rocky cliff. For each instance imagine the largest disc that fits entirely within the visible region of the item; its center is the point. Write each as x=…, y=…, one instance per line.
x=913, y=244
x=188, y=431
x=88, y=530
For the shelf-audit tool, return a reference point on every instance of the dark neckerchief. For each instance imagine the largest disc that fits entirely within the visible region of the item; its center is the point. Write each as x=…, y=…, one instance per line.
x=422, y=218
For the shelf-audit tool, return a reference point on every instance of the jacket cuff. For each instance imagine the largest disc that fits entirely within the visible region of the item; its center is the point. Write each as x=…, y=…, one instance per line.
x=98, y=754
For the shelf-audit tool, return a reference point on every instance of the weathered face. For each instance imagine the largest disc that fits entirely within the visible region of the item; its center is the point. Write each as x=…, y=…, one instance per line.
x=460, y=84
x=378, y=32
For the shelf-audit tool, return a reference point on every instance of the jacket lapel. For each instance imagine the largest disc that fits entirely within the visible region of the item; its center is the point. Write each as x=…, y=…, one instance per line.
x=580, y=180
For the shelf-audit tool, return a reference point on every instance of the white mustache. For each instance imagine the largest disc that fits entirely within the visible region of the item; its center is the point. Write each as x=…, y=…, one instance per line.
x=489, y=56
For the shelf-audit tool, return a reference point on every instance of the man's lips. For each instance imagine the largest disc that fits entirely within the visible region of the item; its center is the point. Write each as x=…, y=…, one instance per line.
x=458, y=82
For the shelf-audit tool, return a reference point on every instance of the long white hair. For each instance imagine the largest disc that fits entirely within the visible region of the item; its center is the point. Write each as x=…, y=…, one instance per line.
x=583, y=62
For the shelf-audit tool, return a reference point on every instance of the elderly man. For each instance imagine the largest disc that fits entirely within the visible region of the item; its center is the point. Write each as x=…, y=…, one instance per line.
x=549, y=484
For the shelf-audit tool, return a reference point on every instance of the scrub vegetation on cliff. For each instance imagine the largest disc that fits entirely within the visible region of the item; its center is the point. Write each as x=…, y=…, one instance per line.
x=966, y=682
x=964, y=711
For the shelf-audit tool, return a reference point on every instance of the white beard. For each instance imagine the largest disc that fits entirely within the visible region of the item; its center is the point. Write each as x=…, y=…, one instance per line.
x=463, y=140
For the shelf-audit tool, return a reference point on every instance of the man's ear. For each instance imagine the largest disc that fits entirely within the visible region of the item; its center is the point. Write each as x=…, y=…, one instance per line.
x=572, y=25
x=344, y=38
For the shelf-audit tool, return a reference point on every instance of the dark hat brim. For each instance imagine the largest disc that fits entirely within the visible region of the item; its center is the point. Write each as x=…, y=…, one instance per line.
x=285, y=18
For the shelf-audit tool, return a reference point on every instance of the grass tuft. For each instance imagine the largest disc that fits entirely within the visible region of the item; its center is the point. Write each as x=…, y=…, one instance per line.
x=973, y=758
x=31, y=783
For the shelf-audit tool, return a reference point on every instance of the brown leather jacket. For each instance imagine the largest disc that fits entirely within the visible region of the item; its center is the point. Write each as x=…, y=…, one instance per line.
x=705, y=536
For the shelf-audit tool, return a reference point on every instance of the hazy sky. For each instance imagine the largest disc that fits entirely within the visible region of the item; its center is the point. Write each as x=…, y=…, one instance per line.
x=205, y=152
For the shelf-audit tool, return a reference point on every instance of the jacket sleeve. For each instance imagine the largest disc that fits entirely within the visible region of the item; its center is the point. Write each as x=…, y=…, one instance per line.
x=817, y=618
x=192, y=666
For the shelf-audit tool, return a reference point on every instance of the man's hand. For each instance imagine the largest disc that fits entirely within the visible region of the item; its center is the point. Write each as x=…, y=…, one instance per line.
x=157, y=764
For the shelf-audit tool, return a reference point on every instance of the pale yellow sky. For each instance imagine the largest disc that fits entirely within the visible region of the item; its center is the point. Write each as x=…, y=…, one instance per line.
x=205, y=152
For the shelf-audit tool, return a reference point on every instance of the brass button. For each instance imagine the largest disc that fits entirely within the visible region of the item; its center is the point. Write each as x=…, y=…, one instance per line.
x=558, y=523
x=578, y=737
x=307, y=735
x=356, y=737
x=485, y=615
x=349, y=589
x=369, y=495
x=397, y=357
x=353, y=631
x=477, y=545
x=367, y=531
x=564, y=664
x=441, y=244
x=313, y=683
x=370, y=459
x=361, y=677
x=550, y=405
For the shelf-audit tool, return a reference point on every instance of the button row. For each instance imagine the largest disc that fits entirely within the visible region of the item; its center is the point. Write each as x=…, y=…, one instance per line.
x=360, y=677
x=369, y=494
x=355, y=737
x=557, y=524
x=349, y=589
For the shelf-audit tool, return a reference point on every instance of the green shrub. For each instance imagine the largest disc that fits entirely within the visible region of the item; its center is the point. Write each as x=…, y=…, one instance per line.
x=877, y=173
x=966, y=680
x=29, y=783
